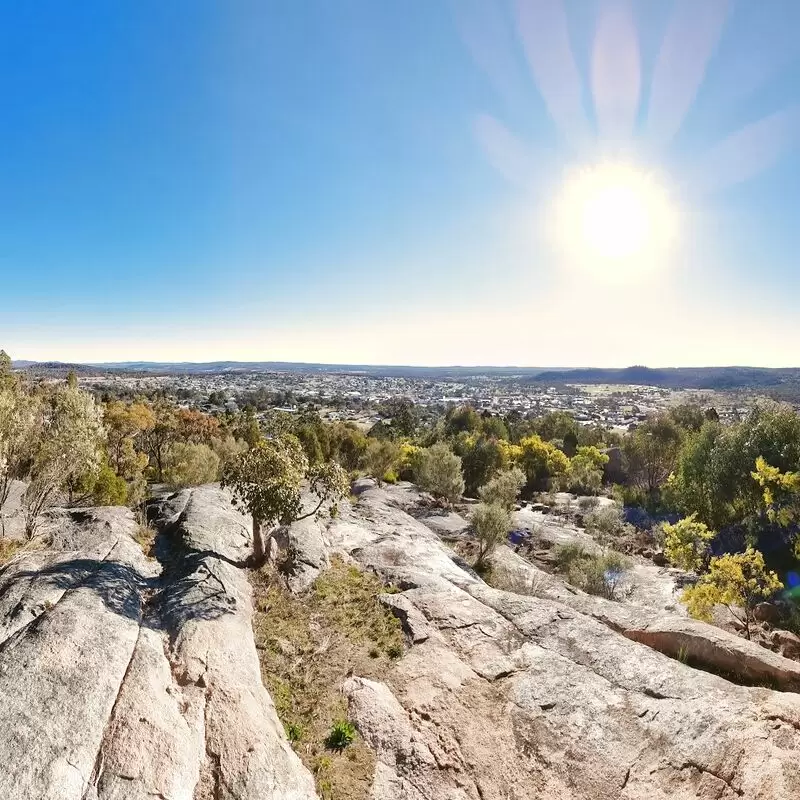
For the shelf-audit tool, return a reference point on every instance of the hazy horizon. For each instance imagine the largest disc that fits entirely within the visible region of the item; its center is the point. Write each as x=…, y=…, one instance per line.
x=595, y=183
x=411, y=365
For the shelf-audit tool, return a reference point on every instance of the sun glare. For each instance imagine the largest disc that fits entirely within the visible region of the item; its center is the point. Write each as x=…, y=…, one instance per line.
x=615, y=219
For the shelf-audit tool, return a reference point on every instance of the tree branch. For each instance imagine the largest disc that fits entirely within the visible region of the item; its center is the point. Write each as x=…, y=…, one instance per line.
x=311, y=513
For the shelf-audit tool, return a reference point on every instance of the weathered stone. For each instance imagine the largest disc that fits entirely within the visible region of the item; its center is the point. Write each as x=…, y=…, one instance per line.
x=120, y=681
x=557, y=695
x=787, y=642
x=767, y=612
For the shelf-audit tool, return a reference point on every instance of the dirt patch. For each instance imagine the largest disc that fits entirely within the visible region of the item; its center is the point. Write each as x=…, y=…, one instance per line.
x=308, y=645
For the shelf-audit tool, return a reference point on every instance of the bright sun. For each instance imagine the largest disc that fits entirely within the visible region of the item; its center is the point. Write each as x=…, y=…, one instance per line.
x=616, y=219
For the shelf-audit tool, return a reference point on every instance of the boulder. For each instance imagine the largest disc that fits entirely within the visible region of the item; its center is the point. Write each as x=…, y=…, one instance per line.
x=767, y=612
x=787, y=643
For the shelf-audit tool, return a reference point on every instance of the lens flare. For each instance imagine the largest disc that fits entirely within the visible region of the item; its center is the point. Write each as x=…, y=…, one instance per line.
x=615, y=220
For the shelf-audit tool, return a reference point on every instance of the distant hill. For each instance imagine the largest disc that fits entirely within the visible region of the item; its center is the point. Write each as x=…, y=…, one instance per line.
x=781, y=382
x=677, y=377
x=212, y=367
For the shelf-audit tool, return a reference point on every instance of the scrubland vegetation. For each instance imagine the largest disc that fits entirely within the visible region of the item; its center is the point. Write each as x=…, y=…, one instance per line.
x=723, y=499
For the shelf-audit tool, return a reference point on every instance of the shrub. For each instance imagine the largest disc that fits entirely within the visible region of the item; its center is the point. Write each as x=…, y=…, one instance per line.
x=604, y=574
x=380, y=457
x=541, y=462
x=440, y=473
x=686, y=543
x=588, y=503
x=294, y=732
x=738, y=580
x=342, y=734
x=596, y=573
x=109, y=488
x=607, y=523
x=504, y=488
x=187, y=464
x=491, y=523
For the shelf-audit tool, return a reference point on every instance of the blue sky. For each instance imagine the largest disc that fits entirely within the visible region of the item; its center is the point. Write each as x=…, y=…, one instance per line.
x=355, y=181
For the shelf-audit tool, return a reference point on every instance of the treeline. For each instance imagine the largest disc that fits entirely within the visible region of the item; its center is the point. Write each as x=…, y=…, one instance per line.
x=70, y=448
x=740, y=481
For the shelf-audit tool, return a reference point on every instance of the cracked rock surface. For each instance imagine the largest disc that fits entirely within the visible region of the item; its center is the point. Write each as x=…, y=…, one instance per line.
x=564, y=695
x=128, y=677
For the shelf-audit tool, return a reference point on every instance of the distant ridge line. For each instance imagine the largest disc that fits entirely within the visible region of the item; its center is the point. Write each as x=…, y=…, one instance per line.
x=732, y=377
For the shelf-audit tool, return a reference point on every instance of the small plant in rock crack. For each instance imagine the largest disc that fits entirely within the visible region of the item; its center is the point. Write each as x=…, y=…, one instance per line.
x=342, y=734
x=294, y=732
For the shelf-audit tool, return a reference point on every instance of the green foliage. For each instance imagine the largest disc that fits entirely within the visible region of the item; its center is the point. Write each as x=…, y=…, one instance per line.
x=7, y=377
x=247, y=429
x=606, y=523
x=781, y=492
x=380, y=457
x=541, y=462
x=491, y=523
x=601, y=574
x=187, y=464
x=651, y=451
x=686, y=543
x=267, y=480
x=738, y=581
x=504, y=488
x=409, y=461
x=109, y=489
x=341, y=735
x=582, y=477
x=294, y=732
x=480, y=459
x=18, y=429
x=348, y=445
x=440, y=473
x=68, y=449
x=403, y=415
x=559, y=426
x=713, y=476
x=494, y=427
x=462, y=419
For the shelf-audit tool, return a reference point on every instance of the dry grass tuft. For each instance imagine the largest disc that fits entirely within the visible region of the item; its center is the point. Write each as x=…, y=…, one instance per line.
x=145, y=537
x=9, y=548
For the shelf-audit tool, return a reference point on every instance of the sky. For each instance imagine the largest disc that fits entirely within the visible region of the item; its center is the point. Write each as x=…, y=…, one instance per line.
x=401, y=182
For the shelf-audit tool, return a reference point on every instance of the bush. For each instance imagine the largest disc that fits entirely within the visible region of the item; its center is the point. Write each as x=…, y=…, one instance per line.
x=686, y=543
x=739, y=580
x=504, y=488
x=491, y=523
x=109, y=488
x=380, y=457
x=342, y=734
x=601, y=574
x=586, y=504
x=440, y=473
x=187, y=464
x=607, y=523
x=585, y=472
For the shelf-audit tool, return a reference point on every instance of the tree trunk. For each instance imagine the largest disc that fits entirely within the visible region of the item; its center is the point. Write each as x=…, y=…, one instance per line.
x=258, y=543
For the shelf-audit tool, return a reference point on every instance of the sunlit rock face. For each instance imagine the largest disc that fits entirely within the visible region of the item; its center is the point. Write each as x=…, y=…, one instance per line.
x=123, y=676
x=562, y=695
x=128, y=677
